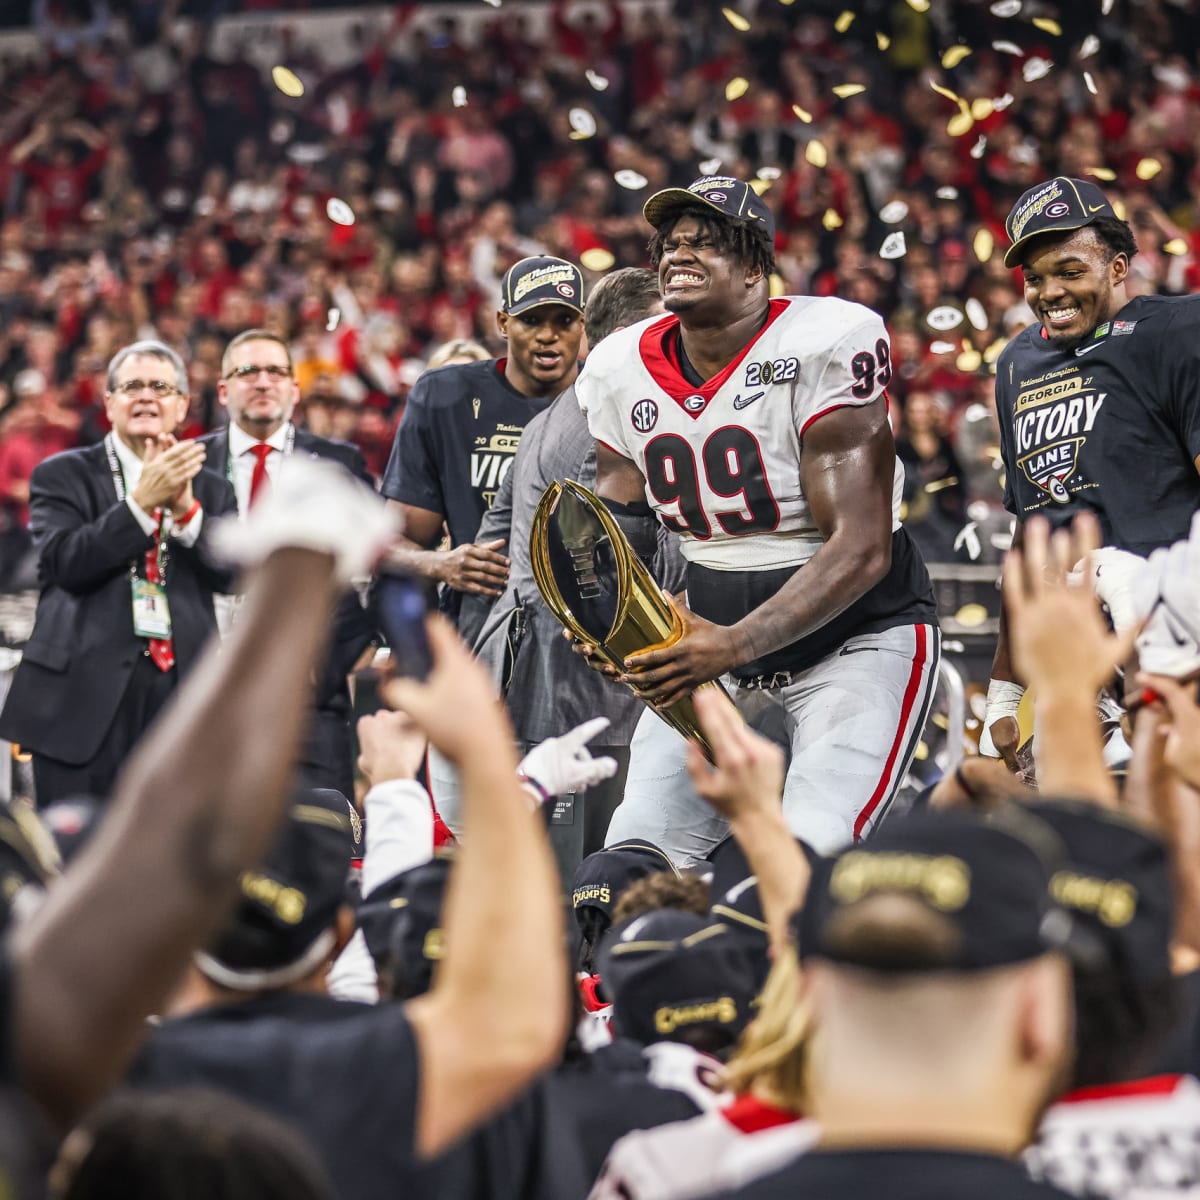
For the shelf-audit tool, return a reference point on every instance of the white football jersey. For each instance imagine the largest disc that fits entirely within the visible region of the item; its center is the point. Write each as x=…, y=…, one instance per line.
x=722, y=461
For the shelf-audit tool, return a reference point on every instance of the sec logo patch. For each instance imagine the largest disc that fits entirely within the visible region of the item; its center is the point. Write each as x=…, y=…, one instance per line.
x=644, y=415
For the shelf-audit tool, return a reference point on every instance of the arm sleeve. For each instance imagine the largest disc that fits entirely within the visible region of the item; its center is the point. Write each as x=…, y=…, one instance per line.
x=412, y=476
x=855, y=373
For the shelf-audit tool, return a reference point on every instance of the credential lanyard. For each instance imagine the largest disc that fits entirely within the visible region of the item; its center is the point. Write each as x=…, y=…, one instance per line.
x=160, y=534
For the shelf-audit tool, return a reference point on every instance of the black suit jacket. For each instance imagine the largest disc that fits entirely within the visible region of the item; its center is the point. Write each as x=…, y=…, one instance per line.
x=78, y=660
x=353, y=628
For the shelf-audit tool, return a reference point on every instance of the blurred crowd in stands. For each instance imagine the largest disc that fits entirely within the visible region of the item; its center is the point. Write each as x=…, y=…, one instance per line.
x=149, y=188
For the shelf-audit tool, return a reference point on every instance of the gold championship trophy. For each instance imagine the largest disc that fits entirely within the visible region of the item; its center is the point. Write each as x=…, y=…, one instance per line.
x=600, y=590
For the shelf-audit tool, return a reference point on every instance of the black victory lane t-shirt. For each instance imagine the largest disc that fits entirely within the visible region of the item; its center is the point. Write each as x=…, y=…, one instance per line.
x=1112, y=427
x=898, y=1175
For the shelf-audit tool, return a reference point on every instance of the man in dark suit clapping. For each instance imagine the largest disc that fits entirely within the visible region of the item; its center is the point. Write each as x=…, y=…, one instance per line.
x=126, y=591
x=259, y=389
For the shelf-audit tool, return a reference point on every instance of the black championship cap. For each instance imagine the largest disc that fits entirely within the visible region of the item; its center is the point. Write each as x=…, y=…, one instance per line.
x=1059, y=205
x=284, y=923
x=1116, y=883
x=401, y=922
x=722, y=194
x=677, y=977
x=541, y=280
x=990, y=880
x=602, y=876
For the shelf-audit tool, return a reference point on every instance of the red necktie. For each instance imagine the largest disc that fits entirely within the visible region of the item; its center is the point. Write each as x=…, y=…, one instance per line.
x=161, y=649
x=258, y=480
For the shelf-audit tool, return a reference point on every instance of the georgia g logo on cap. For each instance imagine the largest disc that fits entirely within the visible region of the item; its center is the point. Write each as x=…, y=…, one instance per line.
x=1058, y=209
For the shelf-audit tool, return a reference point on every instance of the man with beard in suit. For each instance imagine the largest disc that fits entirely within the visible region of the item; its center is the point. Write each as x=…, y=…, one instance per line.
x=126, y=590
x=259, y=389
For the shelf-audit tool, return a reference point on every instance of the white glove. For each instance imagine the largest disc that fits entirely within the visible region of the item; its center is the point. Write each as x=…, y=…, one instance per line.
x=1170, y=642
x=311, y=505
x=564, y=764
x=1003, y=700
x=1124, y=584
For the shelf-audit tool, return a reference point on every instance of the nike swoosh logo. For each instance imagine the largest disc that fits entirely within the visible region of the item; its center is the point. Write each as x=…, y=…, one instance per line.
x=1095, y=207
x=1088, y=349
x=739, y=403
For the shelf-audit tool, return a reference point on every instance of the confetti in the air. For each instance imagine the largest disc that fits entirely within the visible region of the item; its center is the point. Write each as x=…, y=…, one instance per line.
x=982, y=108
x=710, y=166
x=882, y=41
x=494, y=3
x=768, y=173
x=736, y=88
x=1176, y=246
x=458, y=97
x=1090, y=83
x=969, y=361
x=1047, y=25
x=893, y=246
x=630, y=179
x=894, y=212
x=735, y=19
x=976, y=315
x=1119, y=209
x=331, y=322
x=287, y=81
x=599, y=82
x=984, y=243
x=960, y=123
x=832, y=219
x=1105, y=7
x=816, y=153
x=947, y=193
x=968, y=539
x=1005, y=8
x=919, y=5
x=940, y=485
x=802, y=113
x=844, y=21
x=583, y=124
x=1004, y=47
x=775, y=285
x=944, y=318
x=1002, y=102
x=979, y=147
x=843, y=91
x=945, y=91
x=1105, y=173
x=1091, y=44
x=597, y=259
x=760, y=186
x=940, y=347
x=339, y=212
x=1036, y=68
x=952, y=57
x=992, y=353
x=1147, y=168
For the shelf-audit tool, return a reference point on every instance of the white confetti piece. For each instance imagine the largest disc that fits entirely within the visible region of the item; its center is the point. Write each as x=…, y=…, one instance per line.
x=339, y=212
x=893, y=246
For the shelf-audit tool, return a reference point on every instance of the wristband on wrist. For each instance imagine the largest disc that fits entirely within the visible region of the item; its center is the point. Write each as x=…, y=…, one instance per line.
x=1003, y=699
x=535, y=789
x=180, y=522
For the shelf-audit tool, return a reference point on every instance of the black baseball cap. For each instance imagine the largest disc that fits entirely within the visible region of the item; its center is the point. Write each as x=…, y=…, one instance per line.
x=284, y=921
x=1058, y=205
x=989, y=878
x=401, y=922
x=1116, y=883
x=541, y=280
x=731, y=198
x=603, y=875
x=675, y=976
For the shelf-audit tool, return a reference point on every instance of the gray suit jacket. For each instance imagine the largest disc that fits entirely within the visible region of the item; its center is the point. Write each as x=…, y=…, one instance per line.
x=549, y=689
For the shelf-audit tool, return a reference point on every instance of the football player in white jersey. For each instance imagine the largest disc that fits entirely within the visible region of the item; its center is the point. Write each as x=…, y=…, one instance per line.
x=757, y=428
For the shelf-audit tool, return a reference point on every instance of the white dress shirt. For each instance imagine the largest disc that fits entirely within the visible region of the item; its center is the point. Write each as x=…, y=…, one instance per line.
x=131, y=472
x=241, y=454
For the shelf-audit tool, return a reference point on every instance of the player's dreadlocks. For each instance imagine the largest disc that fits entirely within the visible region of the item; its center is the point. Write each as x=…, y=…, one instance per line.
x=747, y=241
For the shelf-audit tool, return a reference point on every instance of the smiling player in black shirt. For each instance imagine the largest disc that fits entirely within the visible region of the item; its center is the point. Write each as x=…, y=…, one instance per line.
x=1096, y=402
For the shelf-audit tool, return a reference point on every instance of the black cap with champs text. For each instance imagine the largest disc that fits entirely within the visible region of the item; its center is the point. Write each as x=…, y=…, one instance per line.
x=284, y=922
x=604, y=874
x=732, y=198
x=541, y=280
x=988, y=878
x=1058, y=205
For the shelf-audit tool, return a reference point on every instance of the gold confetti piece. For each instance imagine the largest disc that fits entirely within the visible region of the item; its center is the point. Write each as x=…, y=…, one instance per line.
x=984, y=245
x=458, y=97
x=630, y=179
x=331, y=321
x=759, y=186
x=1119, y=209
x=816, y=153
x=940, y=485
x=1046, y=25
x=339, y=212
x=1147, y=169
x=954, y=56
x=844, y=21
x=736, y=88
x=802, y=113
x=1176, y=246
x=921, y=753
x=945, y=91
x=960, y=123
x=776, y=286
x=598, y=81
x=831, y=219
x=1090, y=83
x=736, y=20
x=582, y=123
x=971, y=615
x=969, y=361
x=844, y=91
x=982, y=108
x=287, y=81
x=597, y=259
x=1105, y=173
x=882, y=41
x=990, y=355
x=919, y=5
